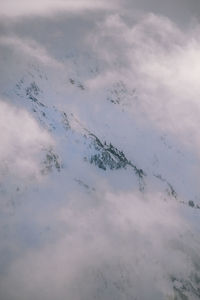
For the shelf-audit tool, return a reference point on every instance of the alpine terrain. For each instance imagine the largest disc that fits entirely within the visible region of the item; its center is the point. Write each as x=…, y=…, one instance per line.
x=99, y=157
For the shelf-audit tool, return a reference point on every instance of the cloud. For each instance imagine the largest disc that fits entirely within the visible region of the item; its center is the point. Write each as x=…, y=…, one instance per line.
x=21, y=143
x=44, y=7
x=160, y=62
x=128, y=246
x=30, y=48
x=67, y=240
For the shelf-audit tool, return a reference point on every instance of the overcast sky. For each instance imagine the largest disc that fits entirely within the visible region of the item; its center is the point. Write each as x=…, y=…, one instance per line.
x=180, y=11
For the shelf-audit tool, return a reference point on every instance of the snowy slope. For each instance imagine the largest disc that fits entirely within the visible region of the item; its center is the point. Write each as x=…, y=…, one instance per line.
x=114, y=207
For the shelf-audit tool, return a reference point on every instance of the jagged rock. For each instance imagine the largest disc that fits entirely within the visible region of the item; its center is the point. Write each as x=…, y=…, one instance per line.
x=109, y=157
x=51, y=161
x=32, y=91
x=191, y=203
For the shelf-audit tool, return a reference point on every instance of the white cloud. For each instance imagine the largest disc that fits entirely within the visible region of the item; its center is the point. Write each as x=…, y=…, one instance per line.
x=29, y=48
x=128, y=245
x=21, y=143
x=158, y=60
x=85, y=244
x=43, y=7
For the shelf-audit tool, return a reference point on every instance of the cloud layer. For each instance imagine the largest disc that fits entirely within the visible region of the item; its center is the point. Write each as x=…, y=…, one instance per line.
x=44, y=7
x=22, y=141
x=132, y=79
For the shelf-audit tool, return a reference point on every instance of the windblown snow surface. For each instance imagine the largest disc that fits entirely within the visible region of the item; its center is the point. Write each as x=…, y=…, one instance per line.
x=99, y=157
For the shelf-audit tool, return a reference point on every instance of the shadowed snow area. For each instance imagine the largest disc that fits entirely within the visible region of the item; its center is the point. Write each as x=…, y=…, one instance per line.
x=100, y=151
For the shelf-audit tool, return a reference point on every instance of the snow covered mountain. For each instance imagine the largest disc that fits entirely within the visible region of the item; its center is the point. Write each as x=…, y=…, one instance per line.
x=99, y=193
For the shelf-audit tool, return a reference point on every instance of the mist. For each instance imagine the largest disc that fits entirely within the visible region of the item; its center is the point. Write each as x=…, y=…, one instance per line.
x=126, y=73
